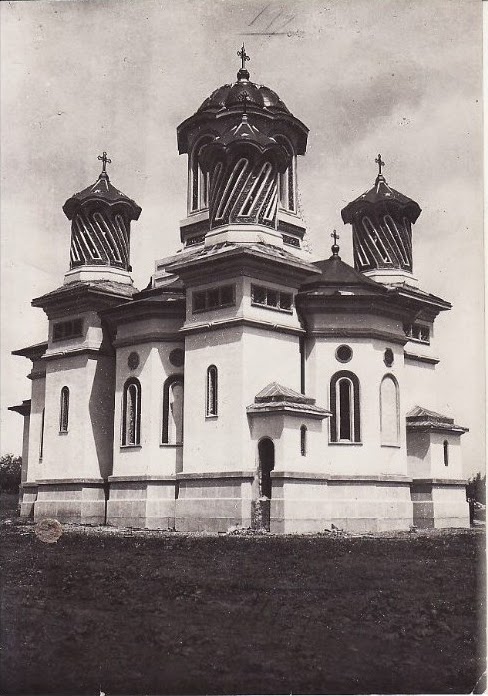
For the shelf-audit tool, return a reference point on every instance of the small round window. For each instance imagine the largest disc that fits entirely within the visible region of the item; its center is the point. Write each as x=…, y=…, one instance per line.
x=177, y=357
x=344, y=354
x=388, y=357
x=133, y=360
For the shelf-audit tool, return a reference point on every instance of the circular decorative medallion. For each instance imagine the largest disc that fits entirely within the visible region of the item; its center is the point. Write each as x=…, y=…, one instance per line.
x=388, y=357
x=177, y=357
x=133, y=360
x=344, y=354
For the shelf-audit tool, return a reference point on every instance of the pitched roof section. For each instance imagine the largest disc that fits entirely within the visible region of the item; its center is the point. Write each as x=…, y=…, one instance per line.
x=276, y=392
x=276, y=398
x=420, y=418
x=381, y=193
x=335, y=272
x=33, y=352
x=106, y=287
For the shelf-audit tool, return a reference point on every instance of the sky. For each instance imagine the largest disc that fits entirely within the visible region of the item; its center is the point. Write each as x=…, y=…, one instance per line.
x=400, y=77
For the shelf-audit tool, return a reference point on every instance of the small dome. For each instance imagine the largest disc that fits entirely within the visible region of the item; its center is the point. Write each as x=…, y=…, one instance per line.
x=243, y=90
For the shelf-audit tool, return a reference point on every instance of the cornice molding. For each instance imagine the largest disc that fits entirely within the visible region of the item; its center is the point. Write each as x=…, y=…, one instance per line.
x=154, y=337
x=241, y=321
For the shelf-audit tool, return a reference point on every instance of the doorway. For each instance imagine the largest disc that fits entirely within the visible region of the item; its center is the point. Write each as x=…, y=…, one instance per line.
x=266, y=465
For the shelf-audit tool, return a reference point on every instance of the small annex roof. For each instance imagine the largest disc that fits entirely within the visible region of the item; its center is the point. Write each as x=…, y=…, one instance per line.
x=33, y=352
x=277, y=398
x=334, y=272
x=24, y=408
x=420, y=418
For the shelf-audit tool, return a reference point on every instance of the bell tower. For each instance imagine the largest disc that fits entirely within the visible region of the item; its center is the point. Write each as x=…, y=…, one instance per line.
x=100, y=231
x=242, y=146
x=382, y=220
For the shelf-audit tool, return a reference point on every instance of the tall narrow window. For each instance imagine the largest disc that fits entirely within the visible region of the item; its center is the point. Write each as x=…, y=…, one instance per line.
x=389, y=411
x=212, y=391
x=41, y=439
x=64, y=410
x=286, y=180
x=199, y=180
x=131, y=413
x=303, y=440
x=344, y=403
x=446, y=453
x=172, y=433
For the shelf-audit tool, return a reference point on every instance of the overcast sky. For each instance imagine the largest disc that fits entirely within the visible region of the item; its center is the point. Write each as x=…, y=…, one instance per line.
x=398, y=77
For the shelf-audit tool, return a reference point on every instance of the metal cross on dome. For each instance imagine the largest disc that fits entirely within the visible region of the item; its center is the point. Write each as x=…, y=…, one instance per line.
x=380, y=164
x=335, y=246
x=104, y=159
x=243, y=56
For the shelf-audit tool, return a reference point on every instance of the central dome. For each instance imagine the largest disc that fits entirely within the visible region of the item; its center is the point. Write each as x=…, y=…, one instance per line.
x=242, y=91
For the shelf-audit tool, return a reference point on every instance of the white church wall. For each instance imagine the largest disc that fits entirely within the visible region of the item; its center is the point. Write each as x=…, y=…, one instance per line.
x=418, y=454
x=70, y=454
x=149, y=457
x=368, y=457
x=421, y=388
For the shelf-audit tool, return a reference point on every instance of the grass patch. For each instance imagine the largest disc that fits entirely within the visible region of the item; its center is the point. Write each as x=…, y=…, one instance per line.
x=205, y=614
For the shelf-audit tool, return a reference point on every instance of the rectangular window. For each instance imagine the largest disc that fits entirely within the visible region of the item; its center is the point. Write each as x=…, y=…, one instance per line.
x=67, y=329
x=269, y=297
x=417, y=332
x=214, y=298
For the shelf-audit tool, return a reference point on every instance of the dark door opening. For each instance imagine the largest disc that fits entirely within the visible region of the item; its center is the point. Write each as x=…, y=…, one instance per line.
x=266, y=466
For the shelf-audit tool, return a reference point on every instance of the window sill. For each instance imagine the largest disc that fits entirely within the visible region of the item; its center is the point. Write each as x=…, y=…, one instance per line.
x=273, y=309
x=63, y=432
x=418, y=340
x=211, y=416
x=391, y=445
x=346, y=444
x=130, y=447
x=171, y=444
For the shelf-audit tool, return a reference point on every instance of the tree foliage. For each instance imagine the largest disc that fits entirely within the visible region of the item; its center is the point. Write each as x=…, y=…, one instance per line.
x=476, y=488
x=10, y=468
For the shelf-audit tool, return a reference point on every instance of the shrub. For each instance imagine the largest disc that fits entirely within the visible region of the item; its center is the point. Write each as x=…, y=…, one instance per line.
x=10, y=468
x=476, y=488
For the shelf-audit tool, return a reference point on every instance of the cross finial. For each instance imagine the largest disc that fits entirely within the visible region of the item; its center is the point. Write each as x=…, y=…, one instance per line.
x=104, y=159
x=243, y=56
x=335, y=246
x=380, y=164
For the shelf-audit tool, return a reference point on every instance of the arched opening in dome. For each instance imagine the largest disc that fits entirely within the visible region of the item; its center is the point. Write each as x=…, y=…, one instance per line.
x=287, y=179
x=198, y=180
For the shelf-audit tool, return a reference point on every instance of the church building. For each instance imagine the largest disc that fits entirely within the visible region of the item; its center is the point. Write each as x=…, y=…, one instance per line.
x=248, y=384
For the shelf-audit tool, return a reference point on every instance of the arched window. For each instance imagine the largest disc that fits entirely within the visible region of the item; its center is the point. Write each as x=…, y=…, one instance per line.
x=41, y=439
x=199, y=181
x=64, y=410
x=345, y=423
x=131, y=413
x=389, y=411
x=446, y=453
x=212, y=401
x=172, y=433
x=303, y=440
x=287, y=179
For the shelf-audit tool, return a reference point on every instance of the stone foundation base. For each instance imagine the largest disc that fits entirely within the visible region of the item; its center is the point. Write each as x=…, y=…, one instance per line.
x=80, y=501
x=213, y=502
x=27, y=500
x=141, y=501
x=439, y=503
x=304, y=503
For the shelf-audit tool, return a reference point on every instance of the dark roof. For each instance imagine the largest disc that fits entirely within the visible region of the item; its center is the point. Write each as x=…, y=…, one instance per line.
x=335, y=272
x=276, y=392
x=108, y=287
x=274, y=397
x=101, y=190
x=424, y=419
x=24, y=408
x=380, y=194
x=33, y=352
x=233, y=95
